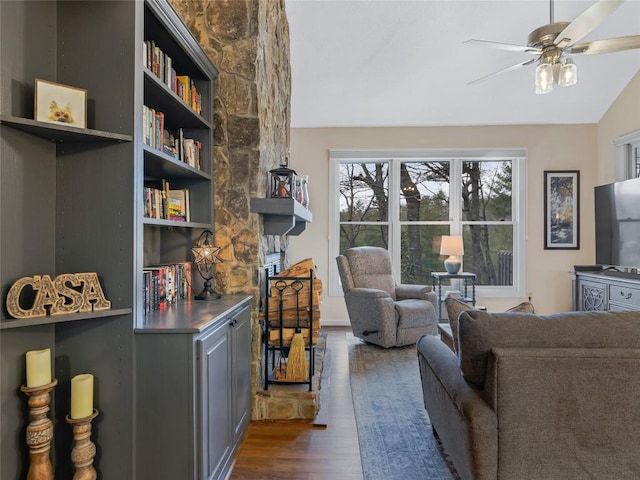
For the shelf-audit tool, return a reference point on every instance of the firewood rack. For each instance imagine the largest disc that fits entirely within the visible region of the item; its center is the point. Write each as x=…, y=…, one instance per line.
x=279, y=322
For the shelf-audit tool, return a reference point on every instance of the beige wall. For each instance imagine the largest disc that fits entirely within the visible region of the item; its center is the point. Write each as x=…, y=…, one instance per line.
x=622, y=117
x=570, y=147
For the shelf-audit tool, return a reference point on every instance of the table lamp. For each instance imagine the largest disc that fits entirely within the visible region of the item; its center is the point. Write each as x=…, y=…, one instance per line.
x=452, y=246
x=205, y=256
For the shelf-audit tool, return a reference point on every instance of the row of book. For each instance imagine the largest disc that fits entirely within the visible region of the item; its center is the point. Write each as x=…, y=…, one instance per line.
x=166, y=284
x=154, y=134
x=161, y=65
x=162, y=202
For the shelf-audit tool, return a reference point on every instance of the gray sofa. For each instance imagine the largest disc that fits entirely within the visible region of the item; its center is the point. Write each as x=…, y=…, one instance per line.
x=537, y=397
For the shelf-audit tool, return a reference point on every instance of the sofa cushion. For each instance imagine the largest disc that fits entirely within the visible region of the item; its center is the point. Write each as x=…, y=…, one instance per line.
x=455, y=307
x=479, y=332
x=414, y=313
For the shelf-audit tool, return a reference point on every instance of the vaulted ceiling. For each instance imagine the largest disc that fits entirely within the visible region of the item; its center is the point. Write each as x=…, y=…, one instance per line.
x=404, y=63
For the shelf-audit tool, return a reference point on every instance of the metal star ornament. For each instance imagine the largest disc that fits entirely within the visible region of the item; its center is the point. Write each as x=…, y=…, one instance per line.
x=205, y=256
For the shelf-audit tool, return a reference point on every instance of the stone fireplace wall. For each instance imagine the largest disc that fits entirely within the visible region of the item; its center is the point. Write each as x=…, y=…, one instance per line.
x=248, y=41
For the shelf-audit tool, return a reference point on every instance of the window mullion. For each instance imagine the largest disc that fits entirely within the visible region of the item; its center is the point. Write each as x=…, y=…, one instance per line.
x=394, y=216
x=455, y=196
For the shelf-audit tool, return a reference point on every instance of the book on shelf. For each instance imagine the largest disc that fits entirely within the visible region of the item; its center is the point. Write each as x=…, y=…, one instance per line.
x=183, y=87
x=169, y=144
x=162, y=202
x=166, y=284
x=175, y=144
x=189, y=150
x=161, y=65
x=187, y=90
x=178, y=205
x=155, y=198
x=154, y=132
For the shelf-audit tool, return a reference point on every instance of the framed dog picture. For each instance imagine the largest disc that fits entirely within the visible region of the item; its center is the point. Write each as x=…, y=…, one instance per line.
x=60, y=104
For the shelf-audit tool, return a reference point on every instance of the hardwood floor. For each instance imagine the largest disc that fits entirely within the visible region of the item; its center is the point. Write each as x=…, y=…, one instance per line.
x=300, y=451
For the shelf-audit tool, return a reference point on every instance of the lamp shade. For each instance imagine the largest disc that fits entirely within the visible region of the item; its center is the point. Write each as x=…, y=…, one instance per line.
x=451, y=245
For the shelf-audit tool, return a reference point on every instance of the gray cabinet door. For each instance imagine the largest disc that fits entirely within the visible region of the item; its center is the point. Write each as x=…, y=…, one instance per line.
x=592, y=296
x=215, y=401
x=241, y=365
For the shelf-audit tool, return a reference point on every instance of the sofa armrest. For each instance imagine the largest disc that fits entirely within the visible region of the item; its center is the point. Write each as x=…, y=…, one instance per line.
x=444, y=364
x=568, y=412
x=467, y=426
x=421, y=292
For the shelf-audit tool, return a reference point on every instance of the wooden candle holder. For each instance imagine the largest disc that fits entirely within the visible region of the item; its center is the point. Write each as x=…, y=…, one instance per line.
x=39, y=431
x=84, y=450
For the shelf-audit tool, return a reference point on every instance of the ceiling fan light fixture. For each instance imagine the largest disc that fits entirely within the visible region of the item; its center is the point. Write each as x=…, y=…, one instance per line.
x=544, y=78
x=568, y=74
x=553, y=40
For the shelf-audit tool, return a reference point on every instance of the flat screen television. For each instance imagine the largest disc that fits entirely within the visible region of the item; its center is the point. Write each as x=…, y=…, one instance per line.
x=617, y=217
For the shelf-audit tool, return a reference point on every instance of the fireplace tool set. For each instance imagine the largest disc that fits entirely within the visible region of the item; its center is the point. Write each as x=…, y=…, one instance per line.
x=291, y=322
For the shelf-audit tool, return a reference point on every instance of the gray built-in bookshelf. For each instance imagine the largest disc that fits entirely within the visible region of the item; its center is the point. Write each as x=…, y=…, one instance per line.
x=73, y=200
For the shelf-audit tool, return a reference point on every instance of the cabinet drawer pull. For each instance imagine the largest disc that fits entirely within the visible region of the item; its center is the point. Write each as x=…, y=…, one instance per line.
x=627, y=296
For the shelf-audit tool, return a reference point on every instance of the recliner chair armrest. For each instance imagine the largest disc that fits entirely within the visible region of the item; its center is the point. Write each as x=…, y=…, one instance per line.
x=368, y=292
x=422, y=292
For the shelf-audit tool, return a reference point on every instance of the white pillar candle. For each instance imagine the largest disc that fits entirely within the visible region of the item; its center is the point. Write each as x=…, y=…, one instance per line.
x=81, y=396
x=38, y=367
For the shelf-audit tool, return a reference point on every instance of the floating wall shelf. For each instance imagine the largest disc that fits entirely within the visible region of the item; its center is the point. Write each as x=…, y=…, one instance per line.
x=281, y=216
x=60, y=132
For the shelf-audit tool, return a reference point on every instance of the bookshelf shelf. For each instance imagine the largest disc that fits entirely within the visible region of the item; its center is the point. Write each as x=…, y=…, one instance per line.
x=61, y=133
x=158, y=94
x=159, y=165
x=53, y=319
x=158, y=222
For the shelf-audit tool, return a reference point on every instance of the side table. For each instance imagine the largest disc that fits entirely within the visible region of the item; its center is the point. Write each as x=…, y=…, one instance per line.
x=444, y=329
x=466, y=277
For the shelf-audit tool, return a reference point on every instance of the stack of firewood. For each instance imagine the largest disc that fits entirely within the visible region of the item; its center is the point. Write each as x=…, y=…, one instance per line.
x=294, y=299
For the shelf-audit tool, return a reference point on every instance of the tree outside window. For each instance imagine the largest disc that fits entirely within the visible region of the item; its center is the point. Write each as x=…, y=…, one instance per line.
x=410, y=204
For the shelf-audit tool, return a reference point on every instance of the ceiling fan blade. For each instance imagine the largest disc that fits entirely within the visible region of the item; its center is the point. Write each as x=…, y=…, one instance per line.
x=504, y=70
x=586, y=22
x=504, y=46
x=608, y=45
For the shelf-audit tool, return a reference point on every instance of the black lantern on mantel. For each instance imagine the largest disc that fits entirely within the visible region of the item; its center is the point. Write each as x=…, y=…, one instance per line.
x=283, y=182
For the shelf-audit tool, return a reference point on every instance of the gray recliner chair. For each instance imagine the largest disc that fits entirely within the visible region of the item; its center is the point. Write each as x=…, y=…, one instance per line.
x=381, y=311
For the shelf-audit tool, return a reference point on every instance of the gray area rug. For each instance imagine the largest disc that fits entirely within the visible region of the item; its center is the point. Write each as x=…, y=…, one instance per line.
x=396, y=440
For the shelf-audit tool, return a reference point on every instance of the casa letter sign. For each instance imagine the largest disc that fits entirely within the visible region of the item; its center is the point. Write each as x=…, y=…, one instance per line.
x=67, y=293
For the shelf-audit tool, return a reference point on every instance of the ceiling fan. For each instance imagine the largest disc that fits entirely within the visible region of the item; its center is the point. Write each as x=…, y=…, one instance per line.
x=553, y=44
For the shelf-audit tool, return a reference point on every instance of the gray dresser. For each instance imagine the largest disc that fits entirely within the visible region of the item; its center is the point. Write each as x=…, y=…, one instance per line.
x=606, y=291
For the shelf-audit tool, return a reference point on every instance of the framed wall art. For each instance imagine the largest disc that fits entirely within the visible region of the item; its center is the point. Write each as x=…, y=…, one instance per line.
x=60, y=104
x=562, y=210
